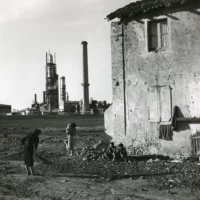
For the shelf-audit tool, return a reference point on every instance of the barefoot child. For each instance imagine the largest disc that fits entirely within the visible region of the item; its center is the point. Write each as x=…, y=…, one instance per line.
x=70, y=142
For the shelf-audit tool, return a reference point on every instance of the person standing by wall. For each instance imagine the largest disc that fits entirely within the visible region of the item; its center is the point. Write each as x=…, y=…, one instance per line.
x=70, y=141
x=30, y=143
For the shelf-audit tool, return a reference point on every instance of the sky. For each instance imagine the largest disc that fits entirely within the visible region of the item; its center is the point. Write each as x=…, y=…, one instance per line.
x=30, y=28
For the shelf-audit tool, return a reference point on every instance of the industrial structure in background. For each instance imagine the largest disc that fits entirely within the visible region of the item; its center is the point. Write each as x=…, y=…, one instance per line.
x=51, y=101
x=52, y=98
x=85, y=84
x=65, y=104
x=64, y=97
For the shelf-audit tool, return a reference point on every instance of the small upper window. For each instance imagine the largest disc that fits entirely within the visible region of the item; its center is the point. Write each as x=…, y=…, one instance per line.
x=158, y=34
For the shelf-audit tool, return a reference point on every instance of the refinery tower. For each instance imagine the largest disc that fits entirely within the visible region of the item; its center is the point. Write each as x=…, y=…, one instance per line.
x=52, y=98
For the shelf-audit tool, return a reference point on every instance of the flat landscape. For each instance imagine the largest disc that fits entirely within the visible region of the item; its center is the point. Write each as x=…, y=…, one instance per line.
x=53, y=121
x=86, y=175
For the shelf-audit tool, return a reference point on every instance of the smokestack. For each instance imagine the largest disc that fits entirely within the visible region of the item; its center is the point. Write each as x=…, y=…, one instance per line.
x=46, y=58
x=35, y=98
x=44, y=96
x=62, y=89
x=55, y=58
x=85, y=83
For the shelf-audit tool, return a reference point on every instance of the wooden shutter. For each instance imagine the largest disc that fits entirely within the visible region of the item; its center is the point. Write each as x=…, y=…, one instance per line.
x=164, y=33
x=165, y=103
x=153, y=104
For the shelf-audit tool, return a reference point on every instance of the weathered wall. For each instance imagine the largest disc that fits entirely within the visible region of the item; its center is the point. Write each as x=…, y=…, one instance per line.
x=108, y=121
x=117, y=81
x=177, y=66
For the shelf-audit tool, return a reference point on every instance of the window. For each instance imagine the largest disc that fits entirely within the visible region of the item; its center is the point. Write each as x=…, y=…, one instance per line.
x=158, y=34
x=160, y=104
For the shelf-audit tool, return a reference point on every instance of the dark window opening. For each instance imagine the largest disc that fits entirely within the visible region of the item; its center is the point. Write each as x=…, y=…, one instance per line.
x=158, y=34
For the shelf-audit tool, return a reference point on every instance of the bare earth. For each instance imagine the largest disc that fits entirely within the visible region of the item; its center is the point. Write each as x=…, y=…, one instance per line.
x=61, y=177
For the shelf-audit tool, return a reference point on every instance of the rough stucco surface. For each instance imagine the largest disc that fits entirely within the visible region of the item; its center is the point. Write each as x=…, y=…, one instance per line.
x=177, y=66
x=108, y=121
x=117, y=81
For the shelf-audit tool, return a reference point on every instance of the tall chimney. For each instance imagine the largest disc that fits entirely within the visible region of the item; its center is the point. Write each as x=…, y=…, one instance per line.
x=85, y=83
x=46, y=58
x=35, y=98
x=62, y=89
x=44, y=96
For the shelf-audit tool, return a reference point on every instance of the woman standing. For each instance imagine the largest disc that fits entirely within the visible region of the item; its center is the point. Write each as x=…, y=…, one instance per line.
x=70, y=142
x=30, y=143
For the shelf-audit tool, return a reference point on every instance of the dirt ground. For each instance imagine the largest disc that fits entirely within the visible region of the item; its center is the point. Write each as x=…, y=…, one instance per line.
x=85, y=176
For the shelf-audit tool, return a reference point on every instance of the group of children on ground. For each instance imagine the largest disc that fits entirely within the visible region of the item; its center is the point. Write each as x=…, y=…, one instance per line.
x=112, y=153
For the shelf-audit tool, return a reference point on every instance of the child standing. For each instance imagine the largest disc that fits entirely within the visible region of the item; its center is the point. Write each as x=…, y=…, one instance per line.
x=70, y=142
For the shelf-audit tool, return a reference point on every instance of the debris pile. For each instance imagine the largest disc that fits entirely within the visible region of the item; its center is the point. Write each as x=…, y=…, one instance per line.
x=167, y=173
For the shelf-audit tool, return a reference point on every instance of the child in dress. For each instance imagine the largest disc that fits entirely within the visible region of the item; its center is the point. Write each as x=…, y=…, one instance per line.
x=70, y=141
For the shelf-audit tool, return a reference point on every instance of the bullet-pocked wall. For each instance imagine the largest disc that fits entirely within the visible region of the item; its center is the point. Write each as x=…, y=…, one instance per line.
x=156, y=81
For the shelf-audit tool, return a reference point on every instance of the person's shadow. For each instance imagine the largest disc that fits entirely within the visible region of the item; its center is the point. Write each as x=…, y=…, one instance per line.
x=181, y=126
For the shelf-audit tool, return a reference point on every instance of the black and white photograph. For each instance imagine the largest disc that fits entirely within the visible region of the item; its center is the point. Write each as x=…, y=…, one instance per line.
x=99, y=99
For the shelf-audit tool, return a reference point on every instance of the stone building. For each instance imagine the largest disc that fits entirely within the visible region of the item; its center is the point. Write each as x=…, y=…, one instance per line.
x=156, y=77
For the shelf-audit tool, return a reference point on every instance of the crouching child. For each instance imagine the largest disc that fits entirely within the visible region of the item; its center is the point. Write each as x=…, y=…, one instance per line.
x=110, y=153
x=122, y=153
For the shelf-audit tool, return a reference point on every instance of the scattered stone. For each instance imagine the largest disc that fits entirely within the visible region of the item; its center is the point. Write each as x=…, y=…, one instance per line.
x=149, y=161
x=172, y=191
x=5, y=135
x=112, y=191
x=176, y=161
x=145, y=190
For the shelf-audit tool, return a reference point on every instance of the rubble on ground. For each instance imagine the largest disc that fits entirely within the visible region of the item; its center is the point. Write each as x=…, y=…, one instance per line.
x=165, y=173
x=160, y=171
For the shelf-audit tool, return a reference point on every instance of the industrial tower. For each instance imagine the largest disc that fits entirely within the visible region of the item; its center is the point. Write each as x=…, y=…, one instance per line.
x=64, y=97
x=52, y=98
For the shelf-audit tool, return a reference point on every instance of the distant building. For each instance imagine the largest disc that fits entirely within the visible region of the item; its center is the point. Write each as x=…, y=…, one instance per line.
x=52, y=104
x=72, y=106
x=98, y=107
x=95, y=107
x=4, y=109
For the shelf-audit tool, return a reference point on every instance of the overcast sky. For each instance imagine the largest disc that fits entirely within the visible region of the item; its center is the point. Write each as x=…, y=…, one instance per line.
x=29, y=28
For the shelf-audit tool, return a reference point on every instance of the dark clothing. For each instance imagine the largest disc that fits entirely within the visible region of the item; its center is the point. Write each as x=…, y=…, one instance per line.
x=166, y=132
x=30, y=143
x=122, y=153
x=111, y=152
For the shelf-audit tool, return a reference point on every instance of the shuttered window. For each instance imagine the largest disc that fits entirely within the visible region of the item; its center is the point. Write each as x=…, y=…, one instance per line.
x=160, y=105
x=158, y=34
x=153, y=35
x=165, y=104
x=154, y=113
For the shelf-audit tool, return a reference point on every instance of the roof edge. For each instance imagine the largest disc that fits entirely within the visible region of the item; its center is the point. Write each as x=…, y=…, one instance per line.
x=144, y=6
